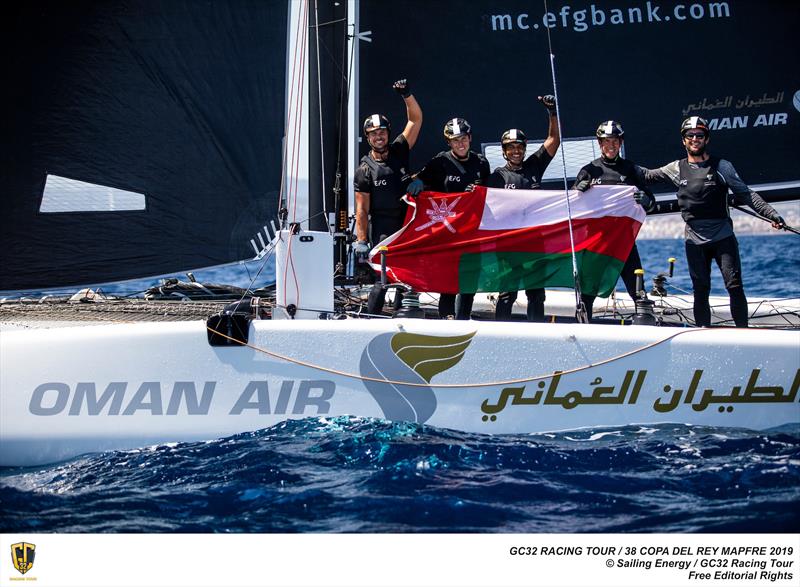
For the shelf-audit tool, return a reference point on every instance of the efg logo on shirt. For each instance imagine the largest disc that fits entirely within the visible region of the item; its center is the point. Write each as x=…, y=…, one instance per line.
x=379, y=182
x=454, y=178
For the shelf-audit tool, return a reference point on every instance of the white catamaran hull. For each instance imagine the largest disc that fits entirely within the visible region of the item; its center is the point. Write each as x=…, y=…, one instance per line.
x=68, y=391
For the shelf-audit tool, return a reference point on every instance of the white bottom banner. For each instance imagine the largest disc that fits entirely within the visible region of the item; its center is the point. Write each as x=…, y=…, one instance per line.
x=356, y=560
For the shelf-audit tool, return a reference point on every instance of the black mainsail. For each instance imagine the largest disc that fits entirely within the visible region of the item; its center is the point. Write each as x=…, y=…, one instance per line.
x=647, y=64
x=142, y=137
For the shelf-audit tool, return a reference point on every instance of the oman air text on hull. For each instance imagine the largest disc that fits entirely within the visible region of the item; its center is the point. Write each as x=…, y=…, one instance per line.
x=52, y=398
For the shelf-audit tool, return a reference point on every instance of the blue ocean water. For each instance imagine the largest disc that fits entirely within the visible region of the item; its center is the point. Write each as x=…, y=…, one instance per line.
x=770, y=265
x=364, y=475
x=367, y=475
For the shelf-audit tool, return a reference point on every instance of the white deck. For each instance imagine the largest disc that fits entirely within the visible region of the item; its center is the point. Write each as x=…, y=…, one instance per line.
x=673, y=309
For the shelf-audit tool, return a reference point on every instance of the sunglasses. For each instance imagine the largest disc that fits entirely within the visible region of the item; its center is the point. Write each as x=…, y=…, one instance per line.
x=694, y=135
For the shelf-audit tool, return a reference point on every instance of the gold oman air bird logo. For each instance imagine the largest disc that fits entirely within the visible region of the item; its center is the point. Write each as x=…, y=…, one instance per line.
x=22, y=554
x=404, y=357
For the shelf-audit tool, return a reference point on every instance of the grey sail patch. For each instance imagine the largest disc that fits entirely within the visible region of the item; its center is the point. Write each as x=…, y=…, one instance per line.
x=62, y=194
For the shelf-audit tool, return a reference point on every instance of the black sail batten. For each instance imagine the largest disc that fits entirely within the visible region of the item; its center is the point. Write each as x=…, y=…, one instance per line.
x=179, y=103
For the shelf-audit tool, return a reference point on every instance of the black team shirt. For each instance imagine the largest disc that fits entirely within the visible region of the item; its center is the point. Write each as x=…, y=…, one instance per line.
x=529, y=177
x=446, y=173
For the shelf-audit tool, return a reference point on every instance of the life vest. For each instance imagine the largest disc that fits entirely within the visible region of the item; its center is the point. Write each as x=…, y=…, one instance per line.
x=702, y=192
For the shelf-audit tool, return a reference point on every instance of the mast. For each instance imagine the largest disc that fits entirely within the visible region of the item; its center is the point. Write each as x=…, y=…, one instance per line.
x=328, y=121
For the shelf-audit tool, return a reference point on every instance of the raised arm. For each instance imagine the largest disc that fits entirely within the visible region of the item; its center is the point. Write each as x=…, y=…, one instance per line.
x=553, y=139
x=413, y=112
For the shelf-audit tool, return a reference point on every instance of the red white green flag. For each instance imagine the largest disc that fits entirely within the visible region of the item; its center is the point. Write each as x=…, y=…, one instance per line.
x=509, y=240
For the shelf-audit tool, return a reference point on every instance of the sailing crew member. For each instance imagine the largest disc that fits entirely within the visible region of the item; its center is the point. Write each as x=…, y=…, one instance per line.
x=458, y=170
x=383, y=174
x=703, y=182
x=526, y=174
x=381, y=180
x=611, y=169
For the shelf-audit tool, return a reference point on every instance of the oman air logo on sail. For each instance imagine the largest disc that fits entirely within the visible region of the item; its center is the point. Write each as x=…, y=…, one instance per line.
x=22, y=554
x=397, y=358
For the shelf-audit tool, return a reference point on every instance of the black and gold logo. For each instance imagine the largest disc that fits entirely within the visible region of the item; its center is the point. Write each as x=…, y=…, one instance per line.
x=23, y=553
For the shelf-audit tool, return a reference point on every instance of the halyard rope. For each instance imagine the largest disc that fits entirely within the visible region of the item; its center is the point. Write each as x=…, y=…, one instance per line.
x=564, y=165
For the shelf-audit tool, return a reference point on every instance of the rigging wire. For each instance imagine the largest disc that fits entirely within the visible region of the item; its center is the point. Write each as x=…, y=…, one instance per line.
x=302, y=30
x=322, y=24
x=286, y=187
x=343, y=199
x=321, y=135
x=298, y=107
x=578, y=301
x=290, y=159
x=344, y=96
x=291, y=151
